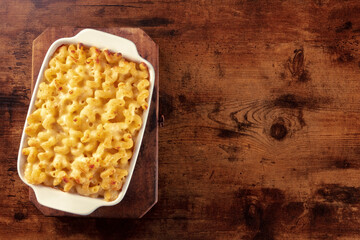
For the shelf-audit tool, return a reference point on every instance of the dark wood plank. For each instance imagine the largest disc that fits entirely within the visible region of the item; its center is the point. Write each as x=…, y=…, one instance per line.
x=142, y=192
x=231, y=85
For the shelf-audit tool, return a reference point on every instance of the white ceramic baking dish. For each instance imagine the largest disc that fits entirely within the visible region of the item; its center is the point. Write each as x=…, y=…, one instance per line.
x=69, y=202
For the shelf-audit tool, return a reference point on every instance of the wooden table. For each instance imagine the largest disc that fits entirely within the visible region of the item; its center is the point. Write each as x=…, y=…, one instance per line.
x=262, y=118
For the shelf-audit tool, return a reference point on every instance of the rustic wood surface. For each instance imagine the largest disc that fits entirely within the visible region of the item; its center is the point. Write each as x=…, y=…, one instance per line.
x=142, y=192
x=262, y=106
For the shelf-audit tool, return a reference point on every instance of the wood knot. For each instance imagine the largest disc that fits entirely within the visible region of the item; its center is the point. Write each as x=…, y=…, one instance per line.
x=297, y=66
x=253, y=216
x=278, y=131
x=19, y=216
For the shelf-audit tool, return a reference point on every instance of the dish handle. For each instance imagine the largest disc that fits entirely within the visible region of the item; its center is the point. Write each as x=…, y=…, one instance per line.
x=112, y=42
x=67, y=202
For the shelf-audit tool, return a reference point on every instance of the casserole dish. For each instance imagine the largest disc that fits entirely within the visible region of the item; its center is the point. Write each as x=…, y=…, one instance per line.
x=70, y=202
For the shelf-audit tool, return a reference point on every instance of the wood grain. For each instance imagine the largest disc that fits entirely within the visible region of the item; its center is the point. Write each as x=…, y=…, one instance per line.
x=142, y=192
x=261, y=104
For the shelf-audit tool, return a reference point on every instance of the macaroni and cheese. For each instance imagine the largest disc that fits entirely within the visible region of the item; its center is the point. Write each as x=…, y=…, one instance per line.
x=87, y=114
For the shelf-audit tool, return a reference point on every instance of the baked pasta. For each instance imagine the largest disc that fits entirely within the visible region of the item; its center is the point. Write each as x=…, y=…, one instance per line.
x=87, y=115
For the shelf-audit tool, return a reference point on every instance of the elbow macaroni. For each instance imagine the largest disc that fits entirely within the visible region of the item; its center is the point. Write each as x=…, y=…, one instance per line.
x=88, y=112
